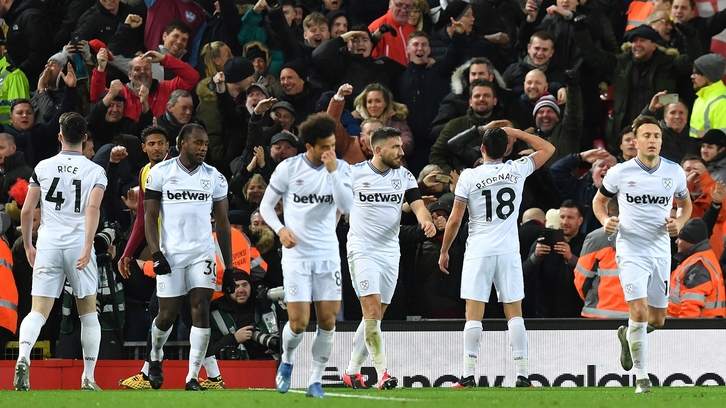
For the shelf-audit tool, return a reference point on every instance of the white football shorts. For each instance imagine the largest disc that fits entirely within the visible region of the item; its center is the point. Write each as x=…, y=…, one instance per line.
x=188, y=271
x=504, y=270
x=312, y=280
x=374, y=273
x=645, y=277
x=53, y=266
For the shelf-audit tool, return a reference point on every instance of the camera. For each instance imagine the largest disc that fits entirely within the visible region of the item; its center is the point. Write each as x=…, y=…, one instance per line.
x=267, y=340
x=233, y=353
x=106, y=237
x=275, y=294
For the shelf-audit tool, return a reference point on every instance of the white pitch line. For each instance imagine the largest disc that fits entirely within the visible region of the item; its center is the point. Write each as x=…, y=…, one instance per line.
x=333, y=394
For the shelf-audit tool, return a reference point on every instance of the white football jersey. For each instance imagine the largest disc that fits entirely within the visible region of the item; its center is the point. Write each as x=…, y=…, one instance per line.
x=187, y=200
x=645, y=198
x=308, y=206
x=376, y=215
x=66, y=181
x=493, y=193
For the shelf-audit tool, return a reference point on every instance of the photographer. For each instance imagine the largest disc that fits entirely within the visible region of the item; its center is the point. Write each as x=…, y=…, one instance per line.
x=242, y=329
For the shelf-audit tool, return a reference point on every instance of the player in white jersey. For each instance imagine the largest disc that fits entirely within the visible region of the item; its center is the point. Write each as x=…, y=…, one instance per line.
x=69, y=188
x=185, y=191
x=380, y=186
x=313, y=186
x=645, y=187
x=492, y=193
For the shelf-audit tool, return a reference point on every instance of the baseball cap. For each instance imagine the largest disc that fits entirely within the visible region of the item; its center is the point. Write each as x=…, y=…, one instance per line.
x=261, y=87
x=283, y=104
x=283, y=136
x=440, y=205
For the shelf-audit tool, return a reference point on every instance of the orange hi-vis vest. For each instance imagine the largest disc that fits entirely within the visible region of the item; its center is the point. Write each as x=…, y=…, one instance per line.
x=8, y=290
x=598, y=283
x=707, y=299
x=638, y=12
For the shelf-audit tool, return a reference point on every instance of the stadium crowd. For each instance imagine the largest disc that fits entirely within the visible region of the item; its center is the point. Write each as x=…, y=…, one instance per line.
x=439, y=71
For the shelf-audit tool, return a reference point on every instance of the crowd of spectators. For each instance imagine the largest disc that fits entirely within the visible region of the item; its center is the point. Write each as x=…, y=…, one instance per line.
x=440, y=71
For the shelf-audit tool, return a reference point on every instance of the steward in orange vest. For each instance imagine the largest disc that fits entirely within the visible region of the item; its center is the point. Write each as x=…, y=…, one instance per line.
x=697, y=287
x=638, y=12
x=597, y=280
x=8, y=291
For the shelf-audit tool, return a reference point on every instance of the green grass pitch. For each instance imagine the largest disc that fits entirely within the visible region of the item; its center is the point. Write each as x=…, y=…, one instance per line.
x=680, y=397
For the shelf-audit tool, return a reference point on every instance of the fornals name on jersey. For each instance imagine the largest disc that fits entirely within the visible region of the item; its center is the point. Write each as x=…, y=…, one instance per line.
x=381, y=198
x=312, y=198
x=500, y=177
x=648, y=199
x=188, y=195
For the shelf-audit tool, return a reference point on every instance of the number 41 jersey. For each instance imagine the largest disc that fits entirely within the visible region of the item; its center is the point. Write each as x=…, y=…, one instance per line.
x=493, y=193
x=66, y=181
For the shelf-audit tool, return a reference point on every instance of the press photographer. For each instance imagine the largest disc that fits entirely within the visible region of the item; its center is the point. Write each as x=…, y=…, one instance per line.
x=109, y=303
x=243, y=326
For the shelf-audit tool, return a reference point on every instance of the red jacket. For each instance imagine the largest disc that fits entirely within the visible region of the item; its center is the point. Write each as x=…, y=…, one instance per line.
x=186, y=78
x=390, y=46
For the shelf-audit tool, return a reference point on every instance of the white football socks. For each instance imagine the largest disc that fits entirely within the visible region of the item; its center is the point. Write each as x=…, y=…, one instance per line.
x=472, y=339
x=518, y=342
x=29, y=331
x=360, y=351
x=322, y=347
x=638, y=342
x=376, y=346
x=211, y=367
x=90, y=343
x=290, y=341
x=158, y=339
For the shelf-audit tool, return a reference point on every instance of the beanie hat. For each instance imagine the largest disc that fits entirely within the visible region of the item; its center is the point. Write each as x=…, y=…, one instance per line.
x=324, y=101
x=238, y=217
x=694, y=231
x=714, y=137
x=711, y=66
x=240, y=275
x=237, y=69
x=256, y=52
x=456, y=10
x=546, y=100
x=299, y=66
x=61, y=58
x=96, y=46
x=332, y=15
x=642, y=31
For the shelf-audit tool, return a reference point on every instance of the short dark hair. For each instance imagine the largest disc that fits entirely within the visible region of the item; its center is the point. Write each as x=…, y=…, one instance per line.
x=495, y=142
x=153, y=130
x=625, y=131
x=417, y=33
x=178, y=25
x=186, y=131
x=542, y=35
x=383, y=133
x=691, y=156
x=644, y=120
x=482, y=82
x=573, y=204
x=317, y=126
x=72, y=127
x=19, y=101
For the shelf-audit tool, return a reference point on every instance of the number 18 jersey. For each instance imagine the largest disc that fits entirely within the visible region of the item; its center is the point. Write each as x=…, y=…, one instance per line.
x=66, y=181
x=493, y=193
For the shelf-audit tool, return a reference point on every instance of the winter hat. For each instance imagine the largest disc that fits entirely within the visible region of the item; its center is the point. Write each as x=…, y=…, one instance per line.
x=711, y=66
x=61, y=58
x=240, y=275
x=324, y=101
x=332, y=15
x=299, y=66
x=238, y=217
x=439, y=205
x=256, y=52
x=714, y=137
x=456, y=10
x=238, y=69
x=259, y=86
x=642, y=31
x=96, y=46
x=284, y=105
x=546, y=100
x=694, y=231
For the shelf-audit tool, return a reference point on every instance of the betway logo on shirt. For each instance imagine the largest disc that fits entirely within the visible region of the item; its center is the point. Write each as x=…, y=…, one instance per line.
x=648, y=199
x=188, y=195
x=312, y=198
x=381, y=198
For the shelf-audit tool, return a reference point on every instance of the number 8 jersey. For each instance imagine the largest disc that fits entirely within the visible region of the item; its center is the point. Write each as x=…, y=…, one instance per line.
x=66, y=181
x=493, y=193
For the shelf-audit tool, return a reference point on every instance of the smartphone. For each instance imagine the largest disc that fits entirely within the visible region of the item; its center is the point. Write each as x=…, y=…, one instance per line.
x=75, y=39
x=668, y=99
x=552, y=236
x=443, y=178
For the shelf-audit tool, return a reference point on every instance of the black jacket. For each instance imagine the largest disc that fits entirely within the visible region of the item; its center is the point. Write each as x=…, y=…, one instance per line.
x=582, y=189
x=104, y=131
x=98, y=23
x=29, y=40
x=15, y=168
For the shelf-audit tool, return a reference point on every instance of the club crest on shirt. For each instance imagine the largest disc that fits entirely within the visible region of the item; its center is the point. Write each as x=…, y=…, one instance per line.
x=667, y=182
x=363, y=285
x=206, y=184
x=190, y=16
x=293, y=289
x=629, y=288
x=396, y=183
x=161, y=287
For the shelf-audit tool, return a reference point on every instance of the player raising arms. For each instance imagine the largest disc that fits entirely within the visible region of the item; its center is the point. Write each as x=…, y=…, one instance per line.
x=645, y=187
x=69, y=188
x=493, y=193
x=184, y=191
x=313, y=186
x=379, y=186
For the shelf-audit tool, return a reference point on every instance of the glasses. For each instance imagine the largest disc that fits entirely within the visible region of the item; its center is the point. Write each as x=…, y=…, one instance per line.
x=403, y=7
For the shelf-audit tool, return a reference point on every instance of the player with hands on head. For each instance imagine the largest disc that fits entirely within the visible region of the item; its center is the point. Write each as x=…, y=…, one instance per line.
x=314, y=187
x=184, y=191
x=69, y=188
x=645, y=186
x=492, y=193
x=380, y=186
